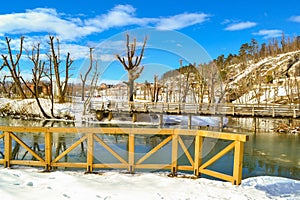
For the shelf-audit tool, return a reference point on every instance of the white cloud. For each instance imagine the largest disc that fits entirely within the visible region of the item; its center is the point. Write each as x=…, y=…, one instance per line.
x=43, y=21
x=76, y=51
x=107, y=57
x=295, y=18
x=119, y=16
x=49, y=21
x=37, y=24
x=240, y=26
x=181, y=21
x=269, y=33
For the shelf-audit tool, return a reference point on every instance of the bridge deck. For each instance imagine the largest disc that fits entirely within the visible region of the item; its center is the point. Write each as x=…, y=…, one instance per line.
x=239, y=110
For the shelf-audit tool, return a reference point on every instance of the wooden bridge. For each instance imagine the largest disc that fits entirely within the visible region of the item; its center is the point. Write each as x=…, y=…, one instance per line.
x=205, y=109
x=129, y=158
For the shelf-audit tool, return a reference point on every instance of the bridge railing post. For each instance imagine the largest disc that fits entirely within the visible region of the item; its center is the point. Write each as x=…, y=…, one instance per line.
x=7, y=149
x=90, y=152
x=198, y=154
x=131, y=152
x=174, y=153
x=48, y=150
x=238, y=162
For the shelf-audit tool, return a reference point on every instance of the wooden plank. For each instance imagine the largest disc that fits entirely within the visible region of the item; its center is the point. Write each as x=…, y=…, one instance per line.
x=185, y=167
x=224, y=136
x=238, y=162
x=174, y=152
x=73, y=146
x=2, y=161
x=217, y=175
x=111, y=165
x=186, y=151
x=90, y=152
x=153, y=166
x=187, y=132
x=69, y=164
x=131, y=153
x=2, y=135
x=155, y=149
x=218, y=155
x=48, y=150
x=27, y=162
x=22, y=129
x=116, y=155
x=198, y=154
x=7, y=149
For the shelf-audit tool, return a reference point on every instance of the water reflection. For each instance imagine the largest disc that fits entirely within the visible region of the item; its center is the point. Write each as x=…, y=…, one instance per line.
x=272, y=154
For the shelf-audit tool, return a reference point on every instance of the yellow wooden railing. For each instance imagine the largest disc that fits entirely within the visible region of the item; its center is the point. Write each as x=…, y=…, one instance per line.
x=91, y=136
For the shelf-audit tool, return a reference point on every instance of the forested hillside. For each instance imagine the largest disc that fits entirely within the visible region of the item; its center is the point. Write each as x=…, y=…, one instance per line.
x=259, y=73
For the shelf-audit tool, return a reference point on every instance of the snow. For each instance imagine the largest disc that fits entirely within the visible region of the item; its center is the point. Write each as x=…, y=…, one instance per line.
x=31, y=183
x=279, y=60
x=29, y=108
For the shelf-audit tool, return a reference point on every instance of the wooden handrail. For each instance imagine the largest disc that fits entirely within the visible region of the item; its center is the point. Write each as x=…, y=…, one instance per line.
x=131, y=162
x=259, y=110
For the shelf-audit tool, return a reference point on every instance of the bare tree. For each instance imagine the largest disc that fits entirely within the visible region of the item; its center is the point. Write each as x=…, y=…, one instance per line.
x=3, y=84
x=13, y=66
x=84, y=78
x=49, y=74
x=211, y=74
x=37, y=74
x=132, y=63
x=92, y=89
x=94, y=82
x=153, y=90
x=55, y=59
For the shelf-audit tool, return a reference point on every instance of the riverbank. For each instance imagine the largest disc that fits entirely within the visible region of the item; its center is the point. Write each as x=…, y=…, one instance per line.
x=32, y=184
x=29, y=109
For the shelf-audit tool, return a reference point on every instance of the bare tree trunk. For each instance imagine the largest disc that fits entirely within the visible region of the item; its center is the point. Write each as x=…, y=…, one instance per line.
x=37, y=74
x=3, y=83
x=50, y=76
x=186, y=87
x=61, y=86
x=13, y=66
x=92, y=90
x=84, y=79
x=132, y=64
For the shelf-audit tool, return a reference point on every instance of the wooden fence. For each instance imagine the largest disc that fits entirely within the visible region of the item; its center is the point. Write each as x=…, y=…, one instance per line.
x=229, y=109
x=92, y=136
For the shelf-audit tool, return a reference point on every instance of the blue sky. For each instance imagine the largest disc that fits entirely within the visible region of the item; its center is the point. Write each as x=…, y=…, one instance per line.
x=218, y=27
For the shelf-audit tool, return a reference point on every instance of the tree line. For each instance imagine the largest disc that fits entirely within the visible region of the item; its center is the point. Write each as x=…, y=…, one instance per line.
x=49, y=70
x=54, y=72
x=212, y=79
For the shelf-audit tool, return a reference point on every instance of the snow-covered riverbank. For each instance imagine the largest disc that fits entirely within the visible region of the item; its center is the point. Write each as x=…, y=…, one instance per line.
x=30, y=184
x=28, y=108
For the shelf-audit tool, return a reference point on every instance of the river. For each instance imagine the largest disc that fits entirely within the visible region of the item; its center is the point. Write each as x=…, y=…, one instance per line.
x=266, y=152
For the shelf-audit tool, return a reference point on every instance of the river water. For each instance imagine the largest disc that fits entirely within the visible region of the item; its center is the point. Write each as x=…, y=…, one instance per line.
x=266, y=152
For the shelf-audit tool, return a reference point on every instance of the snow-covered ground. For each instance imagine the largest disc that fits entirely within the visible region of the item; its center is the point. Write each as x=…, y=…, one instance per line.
x=28, y=108
x=29, y=183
